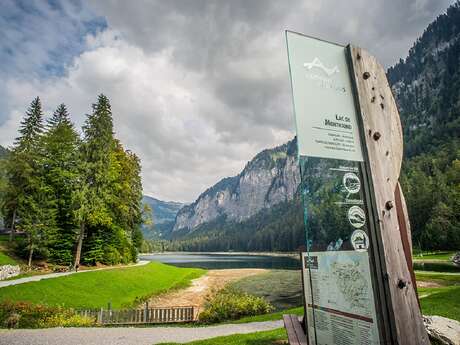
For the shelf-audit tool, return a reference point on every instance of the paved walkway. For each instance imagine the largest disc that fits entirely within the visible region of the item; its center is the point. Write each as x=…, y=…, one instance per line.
x=60, y=274
x=127, y=335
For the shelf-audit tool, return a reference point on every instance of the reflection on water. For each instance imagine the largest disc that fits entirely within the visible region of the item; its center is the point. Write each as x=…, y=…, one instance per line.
x=222, y=261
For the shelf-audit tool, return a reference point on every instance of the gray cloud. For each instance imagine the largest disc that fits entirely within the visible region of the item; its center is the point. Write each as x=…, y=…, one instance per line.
x=199, y=87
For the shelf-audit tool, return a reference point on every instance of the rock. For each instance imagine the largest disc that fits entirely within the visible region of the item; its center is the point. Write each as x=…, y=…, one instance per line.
x=442, y=330
x=456, y=259
x=8, y=271
x=270, y=178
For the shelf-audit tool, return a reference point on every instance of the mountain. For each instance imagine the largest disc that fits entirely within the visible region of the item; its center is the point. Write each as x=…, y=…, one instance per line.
x=426, y=86
x=259, y=209
x=268, y=179
x=163, y=217
x=162, y=211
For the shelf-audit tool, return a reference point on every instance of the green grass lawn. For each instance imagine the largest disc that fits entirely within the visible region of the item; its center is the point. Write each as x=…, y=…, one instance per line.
x=443, y=300
x=277, y=336
x=122, y=286
x=6, y=260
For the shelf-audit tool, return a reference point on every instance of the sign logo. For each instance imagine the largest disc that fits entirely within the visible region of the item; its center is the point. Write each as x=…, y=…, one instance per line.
x=318, y=64
x=351, y=183
x=359, y=240
x=356, y=217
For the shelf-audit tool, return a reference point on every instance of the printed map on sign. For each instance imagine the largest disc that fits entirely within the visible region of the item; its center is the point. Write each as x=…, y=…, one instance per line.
x=352, y=284
x=340, y=303
x=340, y=282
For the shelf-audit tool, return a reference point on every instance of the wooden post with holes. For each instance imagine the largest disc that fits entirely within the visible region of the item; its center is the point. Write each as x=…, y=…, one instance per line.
x=382, y=143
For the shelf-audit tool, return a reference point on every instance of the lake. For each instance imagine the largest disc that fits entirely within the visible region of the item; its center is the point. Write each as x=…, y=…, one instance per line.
x=224, y=260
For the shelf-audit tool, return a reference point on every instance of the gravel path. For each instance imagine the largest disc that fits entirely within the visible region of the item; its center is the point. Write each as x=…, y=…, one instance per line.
x=127, y=335
x=60, y=274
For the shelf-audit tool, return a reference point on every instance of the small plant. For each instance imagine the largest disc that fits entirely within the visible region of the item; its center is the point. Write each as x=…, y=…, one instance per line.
x=28, y=315
x=232, y=304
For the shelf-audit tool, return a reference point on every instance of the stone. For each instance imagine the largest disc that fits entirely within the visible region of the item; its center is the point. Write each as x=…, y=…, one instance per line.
x=8, y=271
x=442, y=330
x=456, y=259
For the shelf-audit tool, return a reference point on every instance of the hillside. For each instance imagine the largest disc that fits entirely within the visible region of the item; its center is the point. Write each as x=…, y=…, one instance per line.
x=163, y=215
x=267, y=180
x=259, y=209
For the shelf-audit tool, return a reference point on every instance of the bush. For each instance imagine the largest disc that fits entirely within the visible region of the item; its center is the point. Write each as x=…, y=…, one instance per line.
x=28, y=315
x=232, y=304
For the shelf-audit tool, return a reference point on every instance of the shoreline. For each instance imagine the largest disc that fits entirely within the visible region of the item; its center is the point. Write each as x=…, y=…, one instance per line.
x=279, y=254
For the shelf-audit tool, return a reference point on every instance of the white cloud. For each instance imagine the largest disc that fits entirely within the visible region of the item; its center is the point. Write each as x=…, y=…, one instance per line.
x=197, y=88
x=162, y=112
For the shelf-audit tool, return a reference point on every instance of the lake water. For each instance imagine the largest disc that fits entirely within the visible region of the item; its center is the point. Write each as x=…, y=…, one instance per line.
x=222, y=260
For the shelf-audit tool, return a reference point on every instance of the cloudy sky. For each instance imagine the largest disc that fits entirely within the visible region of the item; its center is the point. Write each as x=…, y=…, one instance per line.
x=197, y=87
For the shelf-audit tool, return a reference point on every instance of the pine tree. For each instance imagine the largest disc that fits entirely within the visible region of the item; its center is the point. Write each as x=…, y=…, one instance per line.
x=61, y=160
x=32, y=203
x=93, y=196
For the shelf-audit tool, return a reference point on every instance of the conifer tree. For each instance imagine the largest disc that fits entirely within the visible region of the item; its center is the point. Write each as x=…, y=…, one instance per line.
x=93, y=196
x=61, y=159
x=32, y=203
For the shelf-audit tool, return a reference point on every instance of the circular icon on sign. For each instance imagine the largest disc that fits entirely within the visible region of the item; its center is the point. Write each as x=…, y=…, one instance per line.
x=351, y=183
x=359, y=240
x=356, y=216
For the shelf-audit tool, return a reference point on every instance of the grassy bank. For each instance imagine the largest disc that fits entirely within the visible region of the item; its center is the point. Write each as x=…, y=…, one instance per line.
x=122, y=286
x=443, y=300
x=277, y=336
x=5, y=257
x=6, y=260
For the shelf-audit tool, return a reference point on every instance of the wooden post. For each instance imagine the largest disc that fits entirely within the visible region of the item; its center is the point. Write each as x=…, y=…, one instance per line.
x=146, y=311
x=383, y=146
x=100, y=317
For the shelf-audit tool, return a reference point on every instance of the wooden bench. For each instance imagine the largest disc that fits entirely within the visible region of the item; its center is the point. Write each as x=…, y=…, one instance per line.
x=294, y=330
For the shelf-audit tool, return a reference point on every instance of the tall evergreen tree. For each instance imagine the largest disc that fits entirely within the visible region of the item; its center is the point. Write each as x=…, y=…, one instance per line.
x=33, y=204
x=61, y=160
x=94, y=194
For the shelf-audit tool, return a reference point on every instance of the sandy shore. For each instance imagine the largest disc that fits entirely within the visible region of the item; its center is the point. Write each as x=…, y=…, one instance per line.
x=196, y=294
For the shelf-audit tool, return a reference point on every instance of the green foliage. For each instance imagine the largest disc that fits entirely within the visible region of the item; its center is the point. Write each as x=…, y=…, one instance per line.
x=231, y=304
x=431, y=184
x=28, y=315
x=77, y=199
x=61, y=143
x=123, y=286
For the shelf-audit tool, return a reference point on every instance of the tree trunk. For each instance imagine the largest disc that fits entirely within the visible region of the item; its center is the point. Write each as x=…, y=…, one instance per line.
x=31, y=253
x=79, y=245
x=12, y=225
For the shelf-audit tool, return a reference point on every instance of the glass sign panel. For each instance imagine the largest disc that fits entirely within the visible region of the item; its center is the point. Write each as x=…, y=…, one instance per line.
x=323, y=100
x=338, y=284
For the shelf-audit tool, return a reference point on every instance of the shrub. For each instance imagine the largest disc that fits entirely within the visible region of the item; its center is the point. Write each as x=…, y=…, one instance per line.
x=28, y=315
x=232, y=304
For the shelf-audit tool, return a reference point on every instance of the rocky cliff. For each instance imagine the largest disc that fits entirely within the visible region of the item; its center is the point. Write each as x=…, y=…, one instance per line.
x=267, y=180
